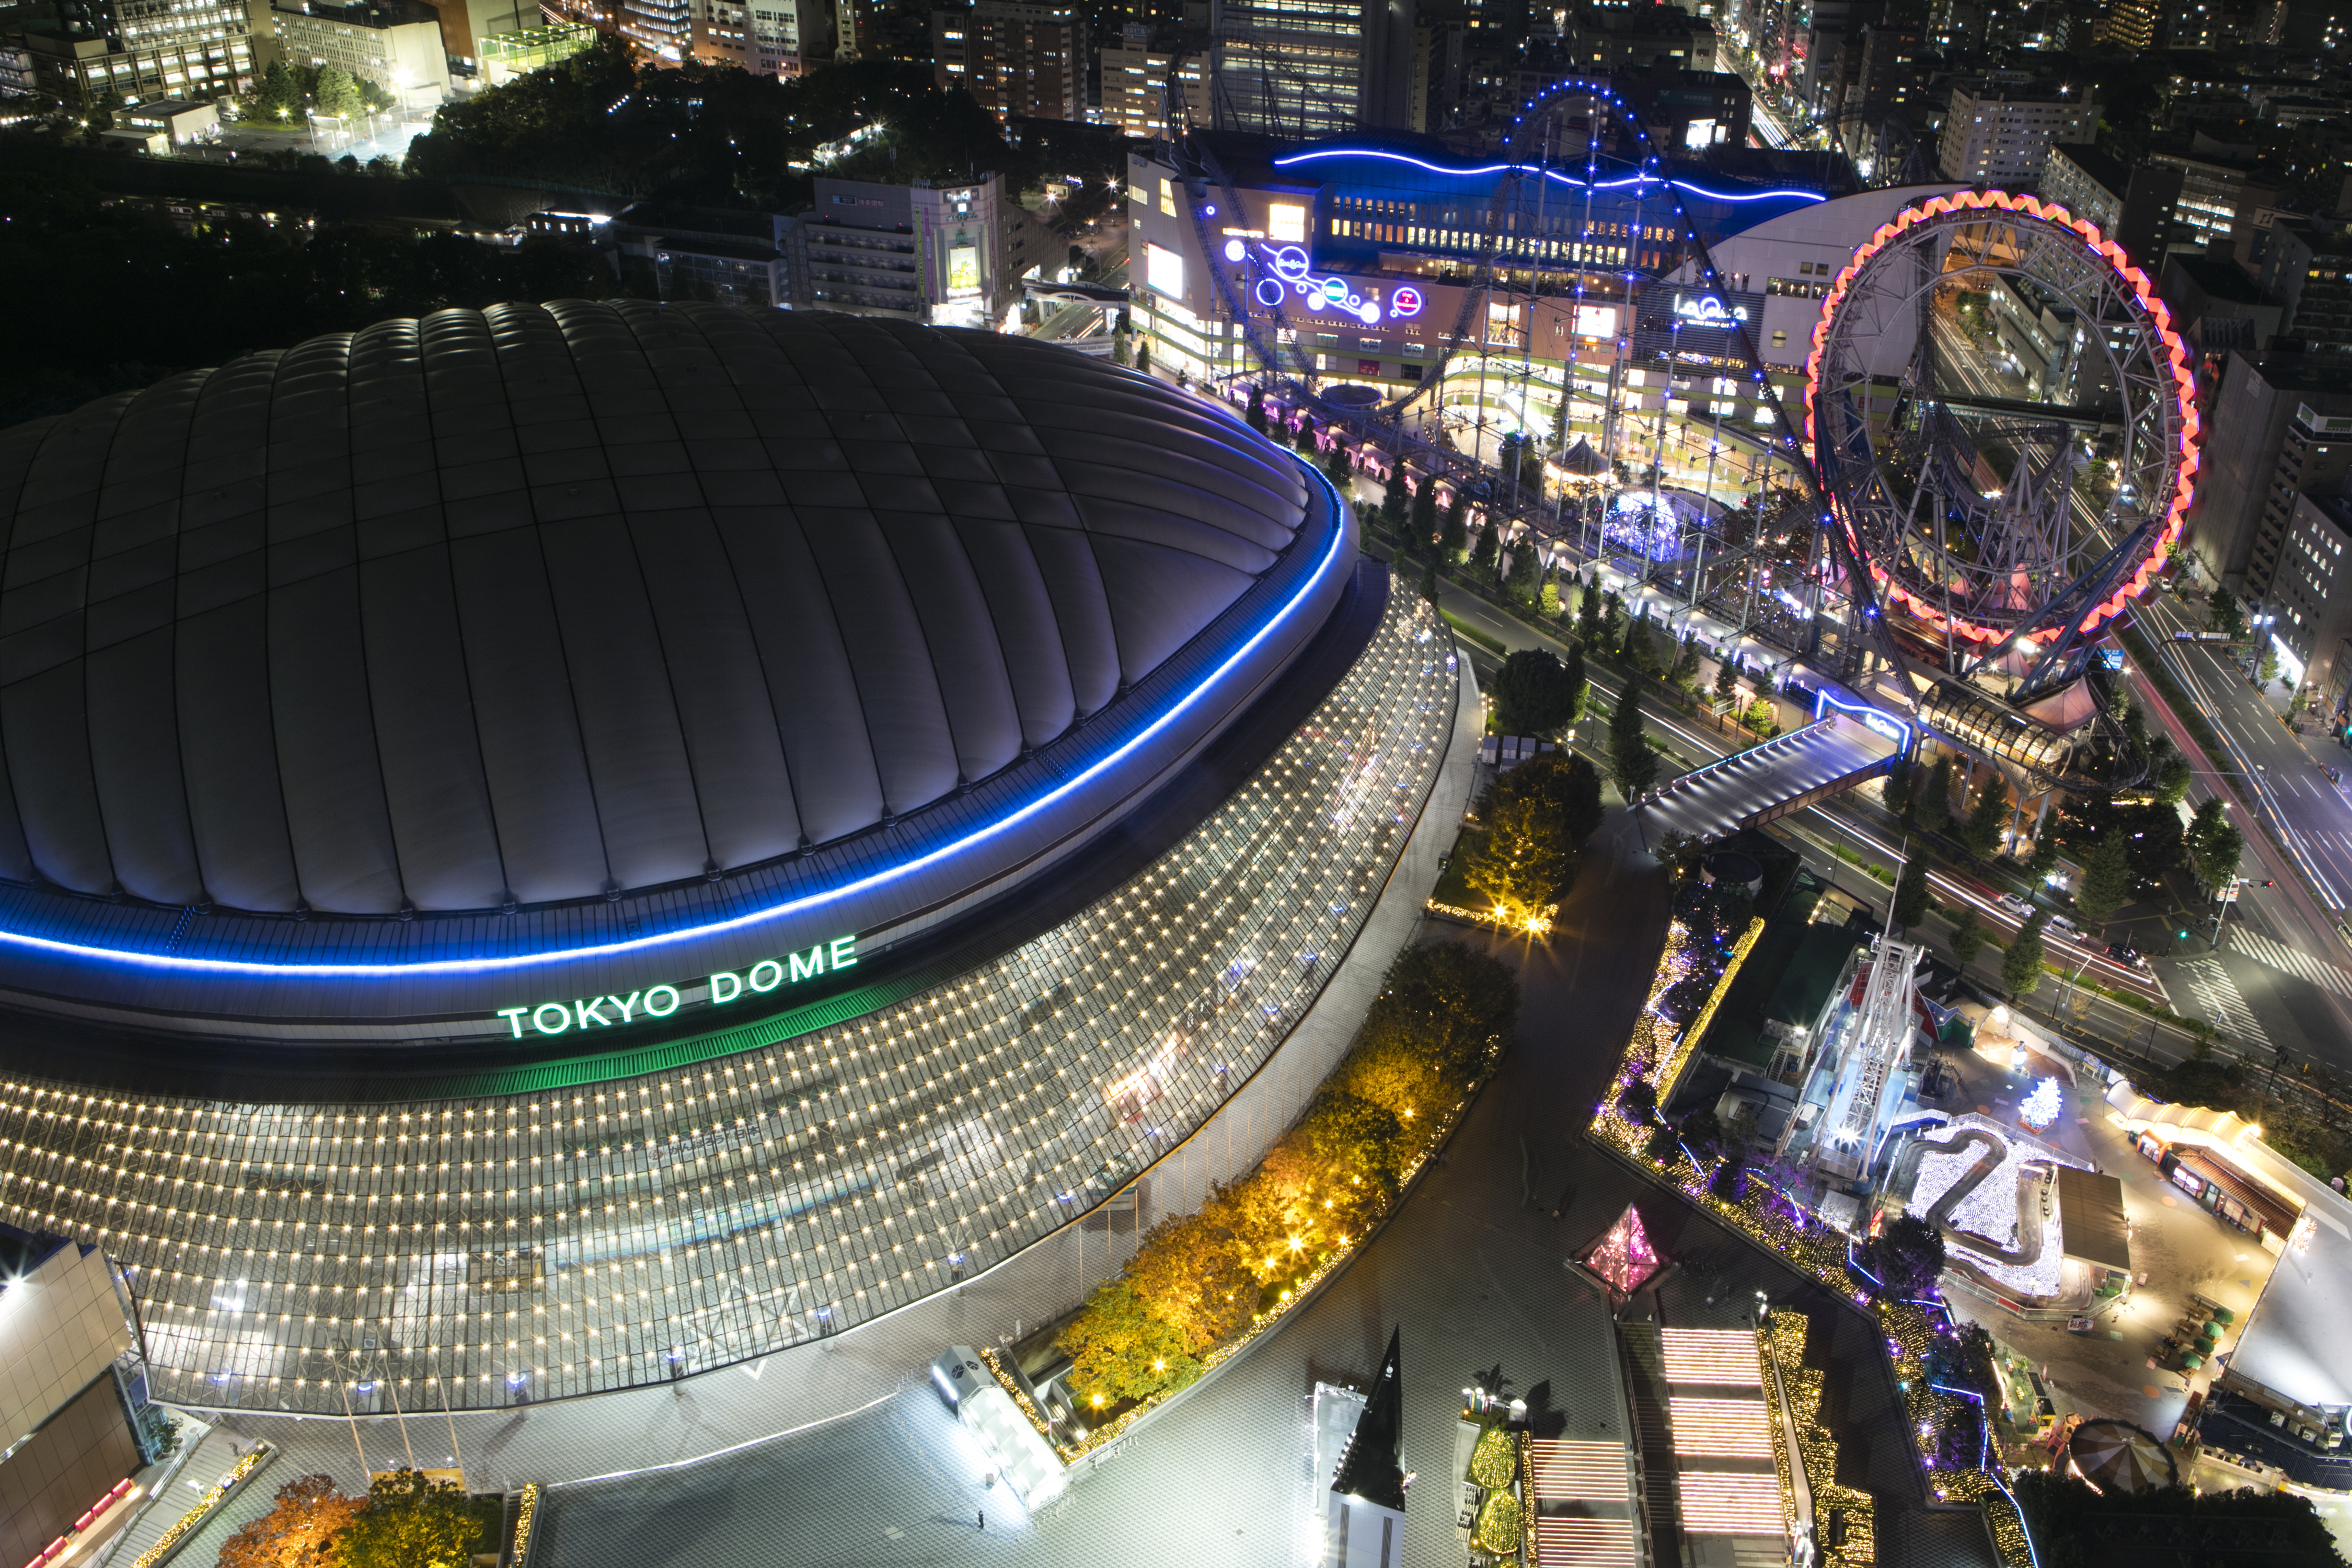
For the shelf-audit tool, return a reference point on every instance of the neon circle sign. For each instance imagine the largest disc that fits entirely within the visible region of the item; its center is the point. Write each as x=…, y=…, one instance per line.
x=1291, y=274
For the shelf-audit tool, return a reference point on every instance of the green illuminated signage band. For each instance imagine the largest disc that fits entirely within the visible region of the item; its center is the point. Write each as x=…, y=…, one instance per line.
x=661, y=1000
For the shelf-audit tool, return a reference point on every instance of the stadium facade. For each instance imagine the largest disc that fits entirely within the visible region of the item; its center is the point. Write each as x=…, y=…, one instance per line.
x=551, y=849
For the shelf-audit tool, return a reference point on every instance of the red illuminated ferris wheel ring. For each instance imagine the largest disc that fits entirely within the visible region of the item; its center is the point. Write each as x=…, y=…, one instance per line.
x=2169, y=352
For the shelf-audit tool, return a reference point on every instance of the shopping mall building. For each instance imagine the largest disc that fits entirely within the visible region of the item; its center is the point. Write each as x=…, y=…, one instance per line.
x=549, y=849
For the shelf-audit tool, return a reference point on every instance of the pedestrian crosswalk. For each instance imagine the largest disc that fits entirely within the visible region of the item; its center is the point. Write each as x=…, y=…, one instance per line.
x=2219, y=996
x=2288, y=960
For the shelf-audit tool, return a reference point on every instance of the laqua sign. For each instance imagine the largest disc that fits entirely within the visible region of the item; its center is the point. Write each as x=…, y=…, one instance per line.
x=727, y=985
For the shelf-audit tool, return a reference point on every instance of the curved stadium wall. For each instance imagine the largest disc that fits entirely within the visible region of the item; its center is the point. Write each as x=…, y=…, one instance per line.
x=787, y=1181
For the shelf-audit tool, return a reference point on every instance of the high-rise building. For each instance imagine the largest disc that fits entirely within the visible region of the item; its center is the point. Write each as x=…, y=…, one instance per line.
x=1019, y=61
x=663, y=29
x=2217, y=197
x=951, y=254
x=1309, y=68
x=2308, y=269
x=2129, y=25
x=2280, y=426
x=2003, y=134
x=396, y=43
x=1135, y=79
x=142, y=49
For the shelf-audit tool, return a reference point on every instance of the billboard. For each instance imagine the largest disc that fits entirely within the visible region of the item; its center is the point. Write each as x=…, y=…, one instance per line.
x=963, y=269
x=1596, y=321
x=1164, y=270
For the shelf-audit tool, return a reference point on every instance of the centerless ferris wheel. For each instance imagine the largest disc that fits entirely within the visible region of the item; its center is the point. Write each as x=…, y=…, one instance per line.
x=2004, y=421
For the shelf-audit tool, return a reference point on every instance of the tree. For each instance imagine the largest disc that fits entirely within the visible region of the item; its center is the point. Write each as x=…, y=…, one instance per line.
x=1588, y=613
x=1354, y=1136
x=1424, y=528
x=1987, y=823
x=1911, y=893
x=2044, y=858
x=1337, y=469
x=411, y=1520
x=1519, y=583
x=1306, y=439
x=2021, y=966
x=1967, y=936
x=1395, y=497
x=337, y=94
x=299, y=1531
x=1524, y=861
x=1897, y=791
x=1482, y=555
x=2267, y=670
x=2228, y=618
x=1143, y=357
x=1933, y=808
x=1727, y=678
x=1535, y=693
x=1428, y=588
x=1456, y=537
x=2107, y=880
x=1120, y=353
x=1568, y=787
x=1254, y=414
x=1121, y=1350
x=1189, y=1274
x=1908, y=1255
x=2217, y=857
x=1632, y=764
x=1685, y=673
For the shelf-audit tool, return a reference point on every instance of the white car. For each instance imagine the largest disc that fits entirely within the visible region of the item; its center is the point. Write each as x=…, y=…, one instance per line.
x=2016, y=906
x=2060, y=923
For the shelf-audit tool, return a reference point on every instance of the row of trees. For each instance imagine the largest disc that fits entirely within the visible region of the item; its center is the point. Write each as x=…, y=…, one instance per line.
x=407, y=1519
x=287, y=95
x=1442, y=1015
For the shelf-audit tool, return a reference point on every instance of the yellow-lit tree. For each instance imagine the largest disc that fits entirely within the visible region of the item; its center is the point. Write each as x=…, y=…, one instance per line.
x=411, y=1520
x=298, y=1531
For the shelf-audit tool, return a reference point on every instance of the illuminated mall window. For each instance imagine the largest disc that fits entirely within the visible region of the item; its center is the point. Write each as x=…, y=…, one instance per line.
x=1285, y=223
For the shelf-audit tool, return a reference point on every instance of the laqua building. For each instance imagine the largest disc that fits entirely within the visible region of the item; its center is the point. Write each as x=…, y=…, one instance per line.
x=556, y=848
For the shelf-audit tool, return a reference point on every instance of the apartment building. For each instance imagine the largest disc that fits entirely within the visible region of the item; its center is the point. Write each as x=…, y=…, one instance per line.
x=2001, y=134
x=1018, y=61
x=1135, y=79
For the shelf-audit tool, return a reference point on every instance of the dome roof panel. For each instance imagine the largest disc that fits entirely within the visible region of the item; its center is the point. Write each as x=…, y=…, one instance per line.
x=555, y=602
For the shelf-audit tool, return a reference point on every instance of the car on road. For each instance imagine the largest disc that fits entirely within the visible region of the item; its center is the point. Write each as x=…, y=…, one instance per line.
x=2128, y=956
x=2060, y=923
x=2019, y=906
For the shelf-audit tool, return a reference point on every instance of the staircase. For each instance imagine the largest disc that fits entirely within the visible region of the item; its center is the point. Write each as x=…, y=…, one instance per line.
x=1654, y=1439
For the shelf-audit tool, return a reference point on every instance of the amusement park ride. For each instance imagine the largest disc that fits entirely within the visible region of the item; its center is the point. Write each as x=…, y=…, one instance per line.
x=1970, y=535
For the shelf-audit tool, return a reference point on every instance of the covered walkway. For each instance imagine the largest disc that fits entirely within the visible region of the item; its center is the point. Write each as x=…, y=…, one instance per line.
x=1784, y=774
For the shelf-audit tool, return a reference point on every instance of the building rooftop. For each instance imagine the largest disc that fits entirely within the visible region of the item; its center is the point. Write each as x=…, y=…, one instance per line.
x=2220, y=277
x=2112, y=174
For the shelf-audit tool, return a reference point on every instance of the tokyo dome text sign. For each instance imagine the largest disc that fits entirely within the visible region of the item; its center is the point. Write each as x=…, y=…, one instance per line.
x=661, y=1000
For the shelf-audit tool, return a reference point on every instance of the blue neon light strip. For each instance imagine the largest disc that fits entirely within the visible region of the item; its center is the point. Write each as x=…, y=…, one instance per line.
x=1823, y=699
x=800, y=905
x=1555, y=174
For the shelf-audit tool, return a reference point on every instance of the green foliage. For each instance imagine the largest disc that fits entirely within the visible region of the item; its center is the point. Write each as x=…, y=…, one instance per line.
x=1254, y=412
x=337, y=94
x=2107, y=880
x=1143, y=367
x=1495, y=1460
x=1906, y=1255
x=2021, y=966
x=1911, y=893
x=1525, y=860
x=1897, y=791
x=1684, y=672
x=2268, y=668
x=127, y=299
x=1304, y=438
x=1123, y=1348
x=1519, y=585
x=1988, y=822
x=1727, y=678
x=1456, y=537
x=2218, y=856
x=1424, y=531
x=1589, y=611
x=1968, y=936
x=1498, y=1524
x=1337, y=469
x=1632, y=765
x=1483, y=552
x=2228, y=618
x=411, y=1520
x=1197, y=1280
x=1932, y=809
x=2073, y=1527
x=1428, y=588
x=1395, y=497
x=1538, y=694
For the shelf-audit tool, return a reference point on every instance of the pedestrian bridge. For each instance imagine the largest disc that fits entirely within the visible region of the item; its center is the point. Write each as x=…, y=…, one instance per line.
x=1786, y=773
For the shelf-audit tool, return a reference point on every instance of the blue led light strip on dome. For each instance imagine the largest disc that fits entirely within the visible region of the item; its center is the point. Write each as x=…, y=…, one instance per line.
x=801, y=905
x=1553, y=174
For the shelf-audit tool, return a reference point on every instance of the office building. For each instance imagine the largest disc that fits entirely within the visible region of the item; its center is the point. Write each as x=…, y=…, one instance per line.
x=935, y=771
x=2280, y=426
x=724, y=257
x=1018, y=61
x=947, y=254
x=1303, y=69
x=2001, y=135
x=142, y=49
x=2086, y=182
x=396, y=43
x=2307, y=269
x=2217, y=198
x=467, y=25
x=1135, y=82
x=2306, y=592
